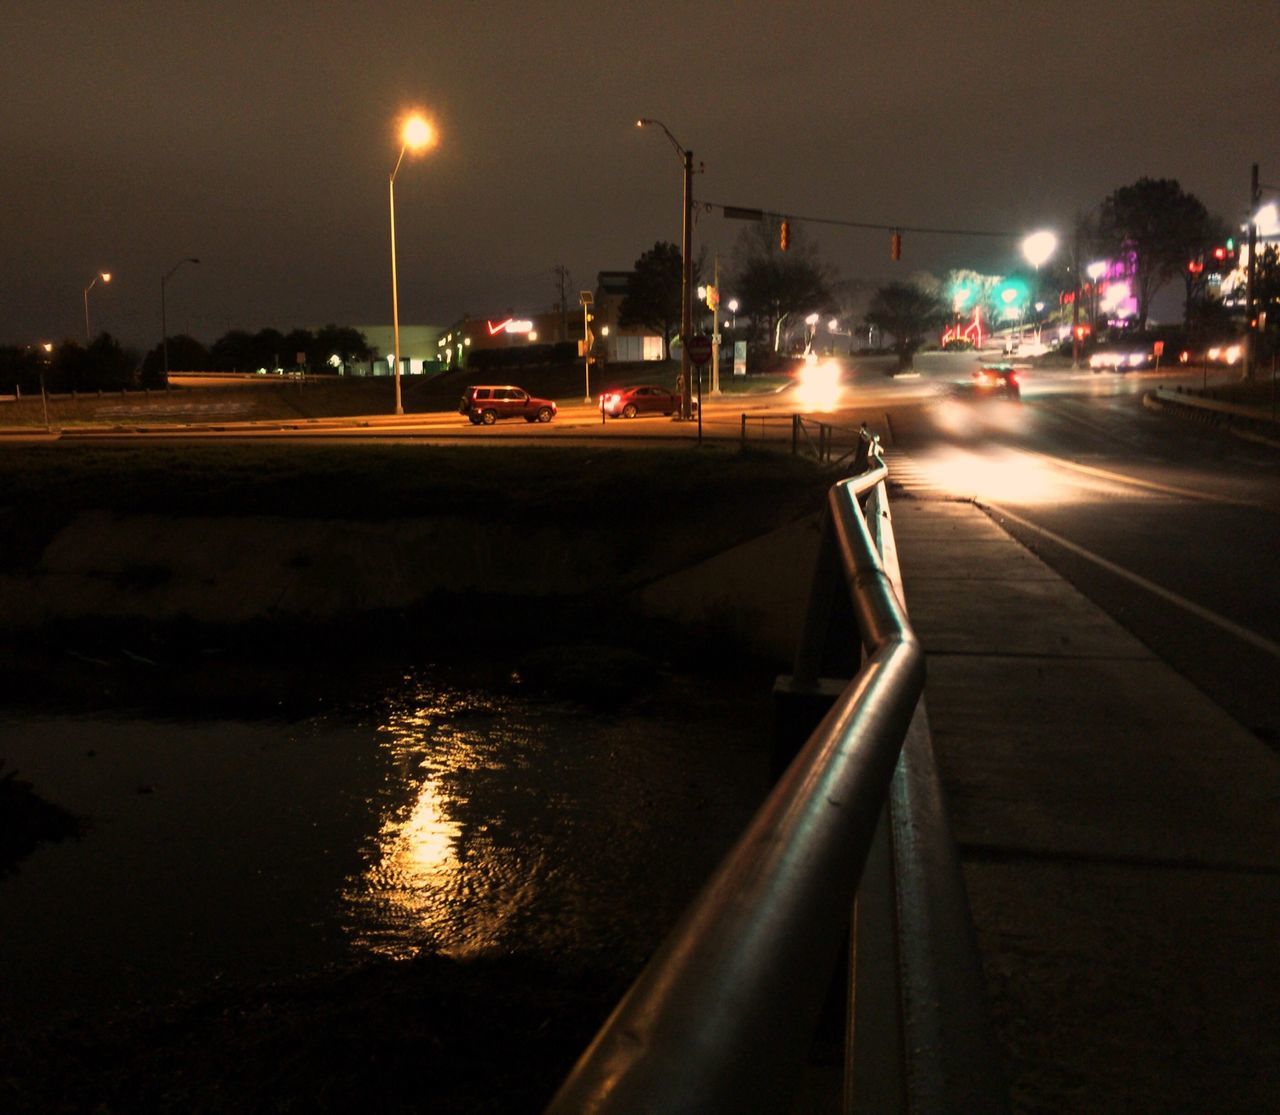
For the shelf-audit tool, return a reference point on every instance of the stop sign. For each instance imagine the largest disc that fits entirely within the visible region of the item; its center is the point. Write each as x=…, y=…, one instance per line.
x=699, y=346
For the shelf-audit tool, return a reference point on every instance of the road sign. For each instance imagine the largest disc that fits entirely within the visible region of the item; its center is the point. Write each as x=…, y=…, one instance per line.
x=699, y=348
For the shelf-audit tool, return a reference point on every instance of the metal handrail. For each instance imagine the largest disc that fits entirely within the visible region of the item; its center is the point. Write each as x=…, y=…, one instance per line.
x=721, y=1016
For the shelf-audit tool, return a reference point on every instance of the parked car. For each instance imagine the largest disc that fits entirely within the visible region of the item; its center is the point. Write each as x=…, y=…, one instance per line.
x=485, y=405
x=646, y=398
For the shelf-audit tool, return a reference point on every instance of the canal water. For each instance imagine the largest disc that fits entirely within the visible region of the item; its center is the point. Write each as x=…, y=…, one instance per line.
x=436, y=816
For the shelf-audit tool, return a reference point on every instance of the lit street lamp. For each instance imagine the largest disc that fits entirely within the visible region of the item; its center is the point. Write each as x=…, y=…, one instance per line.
x=417, y=135
x=686, y=278
x=1036, y=249
x=164, y=325
x=105, y=276
x=733, y=312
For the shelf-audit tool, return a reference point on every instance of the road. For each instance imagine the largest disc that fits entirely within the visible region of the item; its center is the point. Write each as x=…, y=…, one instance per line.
x=1171, y=527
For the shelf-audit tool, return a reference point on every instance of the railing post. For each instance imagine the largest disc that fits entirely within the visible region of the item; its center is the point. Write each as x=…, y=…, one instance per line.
x=795, y=434
x=742, y=441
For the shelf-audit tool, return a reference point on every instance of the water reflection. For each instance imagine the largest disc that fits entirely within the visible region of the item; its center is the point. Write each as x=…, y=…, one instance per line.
x=449, y=818
x=434, y=876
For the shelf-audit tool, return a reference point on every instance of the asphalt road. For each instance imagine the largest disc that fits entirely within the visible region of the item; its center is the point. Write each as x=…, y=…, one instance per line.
x=1171, y=527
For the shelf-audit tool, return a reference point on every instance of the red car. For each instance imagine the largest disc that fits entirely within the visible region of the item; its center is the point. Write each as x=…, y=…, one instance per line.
x=485, y=405
x=647, y=398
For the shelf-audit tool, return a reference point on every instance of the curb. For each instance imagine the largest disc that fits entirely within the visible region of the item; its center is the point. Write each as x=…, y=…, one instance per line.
x=1189, y=409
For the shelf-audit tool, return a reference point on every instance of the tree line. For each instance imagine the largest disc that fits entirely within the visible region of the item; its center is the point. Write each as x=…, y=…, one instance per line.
x=105, y=365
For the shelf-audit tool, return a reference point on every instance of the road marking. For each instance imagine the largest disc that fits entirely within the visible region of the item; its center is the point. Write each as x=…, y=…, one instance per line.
x=1166, y=489
x=1261, y=642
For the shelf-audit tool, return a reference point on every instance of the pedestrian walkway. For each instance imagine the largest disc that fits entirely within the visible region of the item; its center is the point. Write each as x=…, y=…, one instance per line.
x=1119, y=835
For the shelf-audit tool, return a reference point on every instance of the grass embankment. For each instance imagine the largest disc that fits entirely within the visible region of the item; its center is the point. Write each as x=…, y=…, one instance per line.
x=707, y=497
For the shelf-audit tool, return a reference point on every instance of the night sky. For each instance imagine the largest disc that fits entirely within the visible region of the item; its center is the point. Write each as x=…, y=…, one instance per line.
x=259, y=137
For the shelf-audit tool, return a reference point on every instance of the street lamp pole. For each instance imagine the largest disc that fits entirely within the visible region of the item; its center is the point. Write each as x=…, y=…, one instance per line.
x=105, y=276
x=164, y=324
x=416, y=135
x=686, y=278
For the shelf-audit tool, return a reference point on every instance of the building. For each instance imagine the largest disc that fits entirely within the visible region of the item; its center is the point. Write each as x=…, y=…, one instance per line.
x=550, y=331
x=419, y=349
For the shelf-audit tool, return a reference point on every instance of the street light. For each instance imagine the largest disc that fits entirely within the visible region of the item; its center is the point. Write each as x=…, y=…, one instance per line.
x=686, y=276
x=417, y=134
x=164, y=325
x=1038, y=247
x=105, y=276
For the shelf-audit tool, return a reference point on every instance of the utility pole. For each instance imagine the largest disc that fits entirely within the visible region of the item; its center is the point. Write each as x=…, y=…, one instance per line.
x=686, y=293
x=1251, y=333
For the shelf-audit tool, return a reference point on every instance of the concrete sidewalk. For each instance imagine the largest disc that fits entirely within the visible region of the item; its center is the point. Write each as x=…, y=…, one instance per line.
x=1119, y=834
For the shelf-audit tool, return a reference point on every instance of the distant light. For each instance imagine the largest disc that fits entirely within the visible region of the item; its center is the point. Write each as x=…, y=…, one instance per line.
x=533, y=336
x=1008, y=295
x=1038, y=247
x=733, y=305
x=47, y=346
x=1095, y=271
x=1267, y=219
x=106, y=276
x=418, y=133
x=604, y=331
x=819, y=385
x=833, y=325
x=812, y=319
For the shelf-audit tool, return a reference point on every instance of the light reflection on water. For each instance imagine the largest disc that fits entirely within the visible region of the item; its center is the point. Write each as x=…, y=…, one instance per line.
x=442, y=818
x=430, y=881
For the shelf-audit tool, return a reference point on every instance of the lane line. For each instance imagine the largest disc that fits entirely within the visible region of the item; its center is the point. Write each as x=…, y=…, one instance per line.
x=1166, y=489
x=1261, y=642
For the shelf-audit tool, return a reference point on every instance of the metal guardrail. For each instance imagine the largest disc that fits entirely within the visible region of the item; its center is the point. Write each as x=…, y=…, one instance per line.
x=721, y=1018
x=830, y=444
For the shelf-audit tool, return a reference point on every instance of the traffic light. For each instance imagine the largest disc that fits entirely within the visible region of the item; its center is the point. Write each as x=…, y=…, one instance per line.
x=895, y=246
x=784, y=236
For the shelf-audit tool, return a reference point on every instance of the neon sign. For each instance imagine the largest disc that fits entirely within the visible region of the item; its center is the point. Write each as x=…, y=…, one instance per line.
x=509, y=325
x=972, y=331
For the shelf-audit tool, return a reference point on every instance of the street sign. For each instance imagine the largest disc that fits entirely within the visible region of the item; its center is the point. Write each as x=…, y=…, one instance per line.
x=699, y=348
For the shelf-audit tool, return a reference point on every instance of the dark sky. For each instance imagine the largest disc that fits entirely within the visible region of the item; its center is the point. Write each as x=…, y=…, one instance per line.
x=259, y=137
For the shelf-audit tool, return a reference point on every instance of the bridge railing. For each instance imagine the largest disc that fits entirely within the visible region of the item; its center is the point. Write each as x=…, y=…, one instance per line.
x=831, y=444
x=724, y=1015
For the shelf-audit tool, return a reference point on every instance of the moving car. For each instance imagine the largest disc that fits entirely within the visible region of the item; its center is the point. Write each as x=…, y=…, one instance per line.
x=646, y=398
x=1122, y=357
x=992, y=381
x=485, y=405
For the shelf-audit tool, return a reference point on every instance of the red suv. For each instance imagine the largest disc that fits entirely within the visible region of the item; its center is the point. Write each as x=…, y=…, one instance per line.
x=488, y=404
